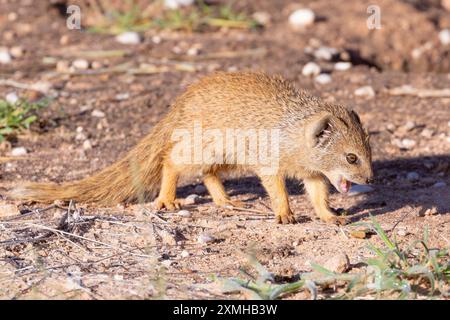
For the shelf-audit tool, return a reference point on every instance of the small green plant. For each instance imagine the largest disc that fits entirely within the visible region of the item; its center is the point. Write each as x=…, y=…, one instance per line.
x=18, y=116
x=193, y=18
x=394, y=272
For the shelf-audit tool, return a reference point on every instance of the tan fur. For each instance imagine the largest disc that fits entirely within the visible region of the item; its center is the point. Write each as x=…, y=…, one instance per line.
x=315, y=136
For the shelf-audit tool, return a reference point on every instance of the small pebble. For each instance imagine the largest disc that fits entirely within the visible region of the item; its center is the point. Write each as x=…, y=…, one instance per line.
x=325, y=53
x=194, y=51
x=431, y=212
x=191, y=199
x=19, y=151
x=427, y=133
x=156, y=39
x=323, y=78
x=342, y=66
x=12, y=97
x=80, y=64
x=339, y=263
x=129, y=37
x=408, y=143
x=311, y=69
x=410, y=125
x=200, y=189
x=205, y=238
x=439, y=184
x=122, y=96
x=17, y=51
x=302, y=18
x=402, y=232
x=98, y=114
x=359, y=189
x=184, y=254
x=444, y=37
x=87, y=145
x=366, y=91
x=412, y=176
x=5, y=57
x=184, y=213
x=262, y=17
x=175, y=4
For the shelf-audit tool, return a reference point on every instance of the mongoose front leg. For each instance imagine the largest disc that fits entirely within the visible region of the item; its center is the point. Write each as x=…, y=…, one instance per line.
x=217, y=191
x=276, y=189
x=167, y=194
x=317, y=189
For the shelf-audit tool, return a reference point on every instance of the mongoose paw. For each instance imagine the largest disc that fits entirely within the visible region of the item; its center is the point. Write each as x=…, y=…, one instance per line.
x=285, y=219
x=167, y=204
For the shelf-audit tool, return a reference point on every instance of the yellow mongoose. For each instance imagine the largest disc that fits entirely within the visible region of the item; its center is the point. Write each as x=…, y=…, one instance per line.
x=314, y=140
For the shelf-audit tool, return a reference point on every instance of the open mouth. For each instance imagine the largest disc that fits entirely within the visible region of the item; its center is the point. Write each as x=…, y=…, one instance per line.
x=344, y=185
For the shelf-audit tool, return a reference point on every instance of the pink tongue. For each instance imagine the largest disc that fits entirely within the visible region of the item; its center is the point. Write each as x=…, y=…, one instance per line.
x=345, y=185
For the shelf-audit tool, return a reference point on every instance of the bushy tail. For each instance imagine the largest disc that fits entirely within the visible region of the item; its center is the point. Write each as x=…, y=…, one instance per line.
x=137, y=175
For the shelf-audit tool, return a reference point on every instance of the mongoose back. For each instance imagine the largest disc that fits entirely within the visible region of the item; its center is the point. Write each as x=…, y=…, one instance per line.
x=308, y=138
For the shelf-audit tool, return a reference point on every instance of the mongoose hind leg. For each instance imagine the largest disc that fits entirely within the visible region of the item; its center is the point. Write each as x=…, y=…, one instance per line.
x=167, y=195
x=217, y=191
x=317, y=189
x=276, y=189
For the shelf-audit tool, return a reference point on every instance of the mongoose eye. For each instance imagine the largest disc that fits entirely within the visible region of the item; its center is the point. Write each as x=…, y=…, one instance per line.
x=351, y=158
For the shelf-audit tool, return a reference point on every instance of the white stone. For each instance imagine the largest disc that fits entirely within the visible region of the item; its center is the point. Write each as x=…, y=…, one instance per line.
x=323, y=78
x=87, y=145
x=5, y=57
x=80, y=64
x=200, y=189
x=184, y=254
x=205, y=238
x=439, y=184
x=98, y=114
x=427, y=133
x=342, y=66
x=325, y=53
x=412, y=176
x=193, y=51
x=129, y=37
x=408, y=143
x=156, y=39
x=122, y=96
x=184, y=213
x=366, y=91
x=302, y=18
x=444, y=37
x=19, y=151
x=175, y=4
x=311, y=69
x=359, y=189
x=12, y=97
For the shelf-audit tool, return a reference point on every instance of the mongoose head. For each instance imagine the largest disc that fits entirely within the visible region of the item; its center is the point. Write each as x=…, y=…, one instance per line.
x=340, y=147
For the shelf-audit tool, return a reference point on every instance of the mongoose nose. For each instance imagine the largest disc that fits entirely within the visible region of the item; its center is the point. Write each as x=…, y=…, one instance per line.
x=370, y=180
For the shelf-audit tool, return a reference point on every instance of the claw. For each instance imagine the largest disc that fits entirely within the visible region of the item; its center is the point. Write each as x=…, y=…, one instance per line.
x=285, y=219
x=167, y=204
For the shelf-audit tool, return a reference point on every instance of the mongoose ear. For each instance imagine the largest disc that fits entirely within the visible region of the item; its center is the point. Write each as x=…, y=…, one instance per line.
x=318, y=130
